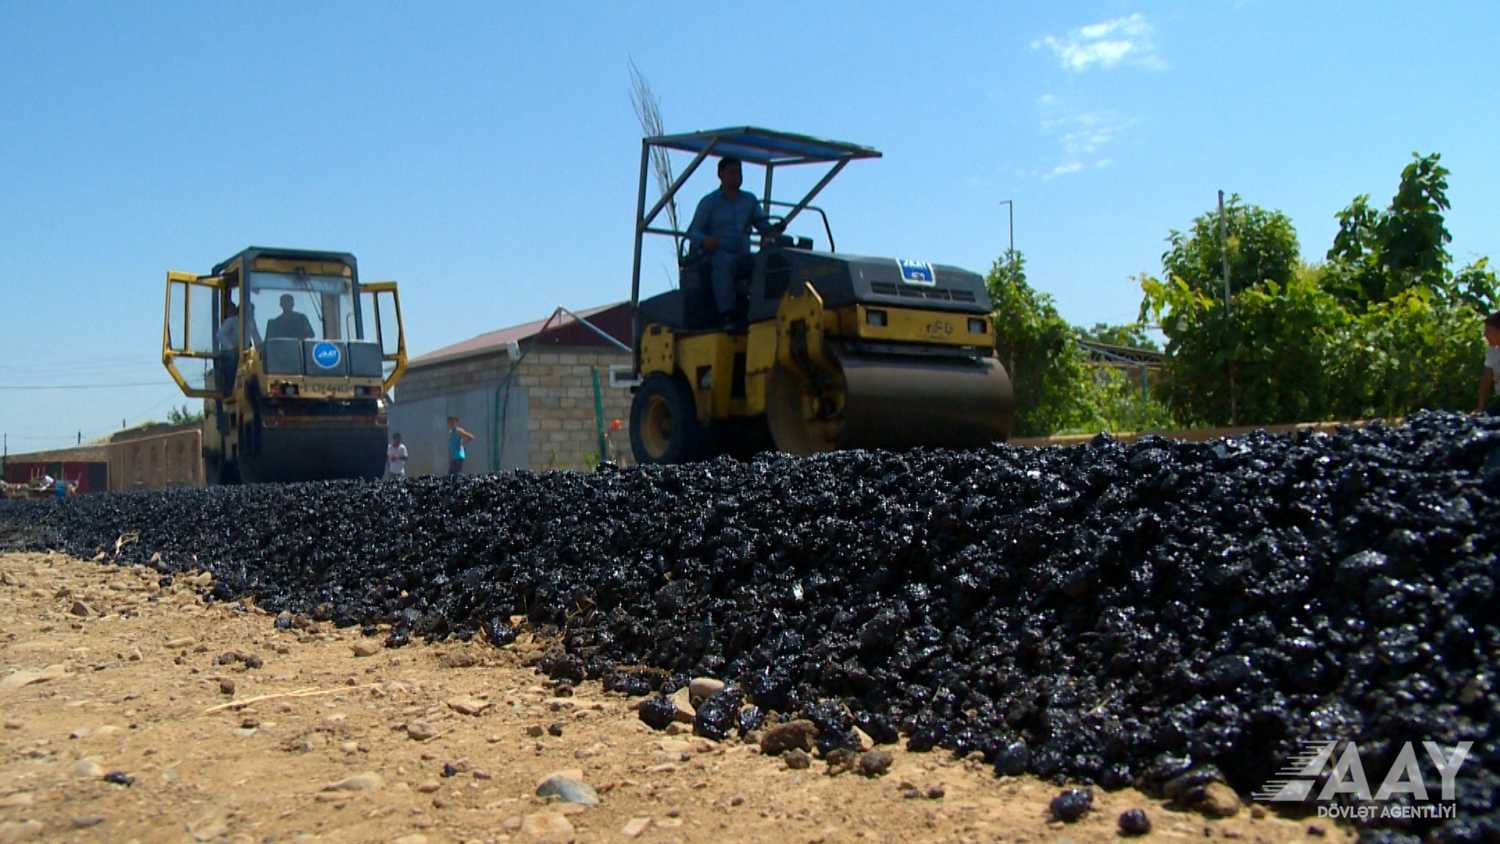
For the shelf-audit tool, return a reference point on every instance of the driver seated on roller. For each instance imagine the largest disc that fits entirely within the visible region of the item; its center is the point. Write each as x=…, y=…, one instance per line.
x=292, y=324
x=721, y=229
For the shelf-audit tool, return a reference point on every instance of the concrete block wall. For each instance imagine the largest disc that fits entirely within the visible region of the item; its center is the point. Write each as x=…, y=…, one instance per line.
x=157, y=462
x=561, y=432
x=559, y=397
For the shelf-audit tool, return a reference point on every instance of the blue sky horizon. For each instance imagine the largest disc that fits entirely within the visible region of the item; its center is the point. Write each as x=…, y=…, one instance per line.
x=485, y=155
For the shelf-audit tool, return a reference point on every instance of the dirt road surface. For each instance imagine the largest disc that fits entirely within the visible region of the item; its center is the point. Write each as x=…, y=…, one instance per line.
x=134, y=711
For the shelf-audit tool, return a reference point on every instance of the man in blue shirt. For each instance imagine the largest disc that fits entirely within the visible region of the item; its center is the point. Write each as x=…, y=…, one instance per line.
x=457, y=437
x=721, y=228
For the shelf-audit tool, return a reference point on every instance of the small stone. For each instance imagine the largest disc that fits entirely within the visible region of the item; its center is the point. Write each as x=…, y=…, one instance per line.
x=1257, y=812
x=797, y=759
x=682, y=699
x=119, y=778
x=81, y=732
x=183, y=642
x=547, y=828
x=469, y=705
x=567, y=773
x=1134, y=822
x=30, y=676
x=935, y=792
x=839, y=760
x=367, y=781
x=82, y=610
x=737, y=800
x=85, y=821
x=793, y=734
x=591, y=751
x=569, y=790
x=865, y=742
x=13, y=724
x=634, y=827
x=555, y=729
x=366, y=647
x=1072, y=804
x=134, y=655
x=428, y=787
x=420, y=731
x=703, y=688
x=19, y=800
x=458, y=659
x=26, y=830
x=226, y=686
x=87, y=768
x=875, y=763
x=1218, y=801
x=349, y=746
x=535, y=730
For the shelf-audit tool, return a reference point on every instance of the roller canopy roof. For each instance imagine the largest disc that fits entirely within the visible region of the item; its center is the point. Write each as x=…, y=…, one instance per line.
x=764, y=146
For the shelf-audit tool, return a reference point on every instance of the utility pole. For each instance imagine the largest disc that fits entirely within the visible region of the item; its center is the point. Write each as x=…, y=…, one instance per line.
x=1010, y=212
x=1224, y=253
x=1224, y=249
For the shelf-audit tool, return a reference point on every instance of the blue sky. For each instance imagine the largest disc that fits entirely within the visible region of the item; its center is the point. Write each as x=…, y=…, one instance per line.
x=484, y=154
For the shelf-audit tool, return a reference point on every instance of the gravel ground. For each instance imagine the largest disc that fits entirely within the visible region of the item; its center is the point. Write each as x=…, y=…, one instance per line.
x=221, y=749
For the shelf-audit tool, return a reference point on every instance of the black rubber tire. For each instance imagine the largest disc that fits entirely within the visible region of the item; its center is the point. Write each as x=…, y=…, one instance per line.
x=664, y=424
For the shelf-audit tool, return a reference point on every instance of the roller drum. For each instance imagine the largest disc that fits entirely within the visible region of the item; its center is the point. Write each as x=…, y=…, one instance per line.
x=295, y=454
x=895, y=402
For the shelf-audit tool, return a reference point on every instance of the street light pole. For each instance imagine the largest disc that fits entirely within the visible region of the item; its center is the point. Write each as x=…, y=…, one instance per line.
x=1010, y=213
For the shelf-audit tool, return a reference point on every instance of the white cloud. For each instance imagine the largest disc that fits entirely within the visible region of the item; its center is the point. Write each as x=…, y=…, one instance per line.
x=1082, y=138
x=1064, y=169
x=1086, y=133
x=1046, y=100
x=1106, y=45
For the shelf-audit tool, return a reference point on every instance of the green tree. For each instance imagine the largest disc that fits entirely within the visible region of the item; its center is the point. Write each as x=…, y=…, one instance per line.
x=1133, y=335
x=1057, y=390
x=1378, y=254
x=1035, y=343
x=183, y=416
x=1262, y=247
x=1384, y=328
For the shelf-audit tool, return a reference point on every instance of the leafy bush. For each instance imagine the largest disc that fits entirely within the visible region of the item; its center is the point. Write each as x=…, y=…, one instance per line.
x=1385, y=328
x=1057, y=390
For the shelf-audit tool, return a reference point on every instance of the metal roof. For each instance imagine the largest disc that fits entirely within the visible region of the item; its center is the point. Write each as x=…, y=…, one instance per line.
x=498, y=340
x=764, y=146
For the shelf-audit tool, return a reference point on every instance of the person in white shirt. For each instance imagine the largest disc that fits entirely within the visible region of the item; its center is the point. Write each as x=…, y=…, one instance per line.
x=1489, y=382
x=395, y=458
x=227, y=344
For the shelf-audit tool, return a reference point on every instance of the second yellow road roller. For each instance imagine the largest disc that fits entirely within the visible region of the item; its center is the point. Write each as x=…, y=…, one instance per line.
x=294, y=357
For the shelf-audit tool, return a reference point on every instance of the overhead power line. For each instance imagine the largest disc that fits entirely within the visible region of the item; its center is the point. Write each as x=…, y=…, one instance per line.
x=114, y=386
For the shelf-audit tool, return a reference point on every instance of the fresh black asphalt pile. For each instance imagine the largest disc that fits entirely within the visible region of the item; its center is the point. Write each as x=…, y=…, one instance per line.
x=1109, y=613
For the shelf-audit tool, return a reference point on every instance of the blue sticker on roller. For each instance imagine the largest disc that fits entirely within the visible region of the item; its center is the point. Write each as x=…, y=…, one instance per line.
x=917, y=272
x=326, y=355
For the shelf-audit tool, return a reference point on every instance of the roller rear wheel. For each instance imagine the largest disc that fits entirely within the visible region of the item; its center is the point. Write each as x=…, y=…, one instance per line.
x=664, y=425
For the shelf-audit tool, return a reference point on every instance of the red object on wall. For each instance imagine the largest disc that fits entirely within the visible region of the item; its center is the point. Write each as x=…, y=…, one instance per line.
x=87, y=477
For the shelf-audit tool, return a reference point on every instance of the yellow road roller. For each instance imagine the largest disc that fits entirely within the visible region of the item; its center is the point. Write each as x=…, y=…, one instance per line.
x=798, y=348
x=293, y=357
